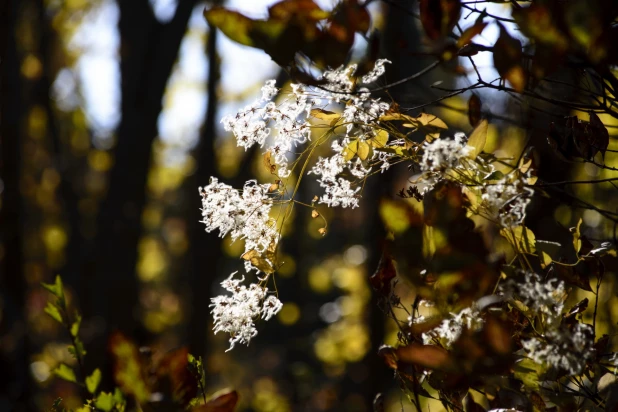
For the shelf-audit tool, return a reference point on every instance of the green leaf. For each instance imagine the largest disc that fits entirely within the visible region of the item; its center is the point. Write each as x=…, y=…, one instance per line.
x=118, y=397
x=64, y=372
x=56, y=289
x=105, y=401
x=477, y=139
x=53, y=311
x=528, y=372
x=78, y=351
x=92, y=381
x=75, y=325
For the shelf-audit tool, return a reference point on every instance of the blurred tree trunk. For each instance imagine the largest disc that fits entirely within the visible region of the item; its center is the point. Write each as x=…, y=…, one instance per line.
x=15, y=380
x=148, y=52
x=205, y=248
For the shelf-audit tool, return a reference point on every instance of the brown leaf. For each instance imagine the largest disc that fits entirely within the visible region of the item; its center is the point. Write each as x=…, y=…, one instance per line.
x=497, y=336
x=172, y=370
x=474, y=110
x=427, y=356
x=472, y=31
x=223, y=401
x=598, y=134
x=387, y=353
x=385, y=273
x=438, y=17
x=508, y=59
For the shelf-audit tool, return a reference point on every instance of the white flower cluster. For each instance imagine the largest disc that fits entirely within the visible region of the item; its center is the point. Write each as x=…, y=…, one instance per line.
x=539, y=295
x=235, y=314
x=504, y=200
x=560, y=347
x=566, y=349
x=452, y=327
x=246, y=214
x=443, y=154
x=243, y=215
x=507, y=200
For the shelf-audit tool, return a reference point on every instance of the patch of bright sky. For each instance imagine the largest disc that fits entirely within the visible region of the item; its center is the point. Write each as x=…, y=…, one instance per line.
x=484, y=60
x=96, y=41
x=97, y=70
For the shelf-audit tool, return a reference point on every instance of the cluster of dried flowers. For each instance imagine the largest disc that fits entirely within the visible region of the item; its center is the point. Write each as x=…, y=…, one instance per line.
x=360, y=145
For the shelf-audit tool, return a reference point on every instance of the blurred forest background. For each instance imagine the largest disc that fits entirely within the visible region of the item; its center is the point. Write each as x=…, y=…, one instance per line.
x=109, y=123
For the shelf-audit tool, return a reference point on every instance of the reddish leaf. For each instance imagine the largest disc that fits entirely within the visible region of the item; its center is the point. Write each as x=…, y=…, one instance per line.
x=387, y=353
x=386, y=272
x=472, y=31
x=474, y=110
x=438, y=17
x=224, y=401
x=427, y=356
x=173, y=370
x=598, y=134
x=497, y=336
x=507, y=59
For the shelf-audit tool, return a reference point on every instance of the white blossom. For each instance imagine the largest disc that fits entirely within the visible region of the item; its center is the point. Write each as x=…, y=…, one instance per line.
x=377, y=71
x=235, y=314
x=565, y=349
x=452, y=327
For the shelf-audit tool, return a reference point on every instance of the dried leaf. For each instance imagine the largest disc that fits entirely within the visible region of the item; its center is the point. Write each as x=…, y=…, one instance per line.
x=438, y=17
x=222, y=401
x=474, y=110
x=382, y=278
x=387, y=353
x=427, y=356
x=472, y=31
x=508, y=59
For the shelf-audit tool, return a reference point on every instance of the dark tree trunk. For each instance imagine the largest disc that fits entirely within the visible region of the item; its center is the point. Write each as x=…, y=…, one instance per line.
x=205, y=248
x=148, y=52
x=15, y=381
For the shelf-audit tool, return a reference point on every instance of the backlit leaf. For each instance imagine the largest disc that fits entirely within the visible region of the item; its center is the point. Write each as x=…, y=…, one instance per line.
x=52, y=310
x=477, y=138
x=64, y=372
x=92, y=381
x=508, y=59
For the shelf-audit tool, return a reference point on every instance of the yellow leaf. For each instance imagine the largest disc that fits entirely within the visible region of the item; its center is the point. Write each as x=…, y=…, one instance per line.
x=577, y=241
x=545, y=259
x=326, y=115
x=350, y=150
x=363, y=150
x=380, y=140
x=477, y=139
x=521, y=238
x=427, y=119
